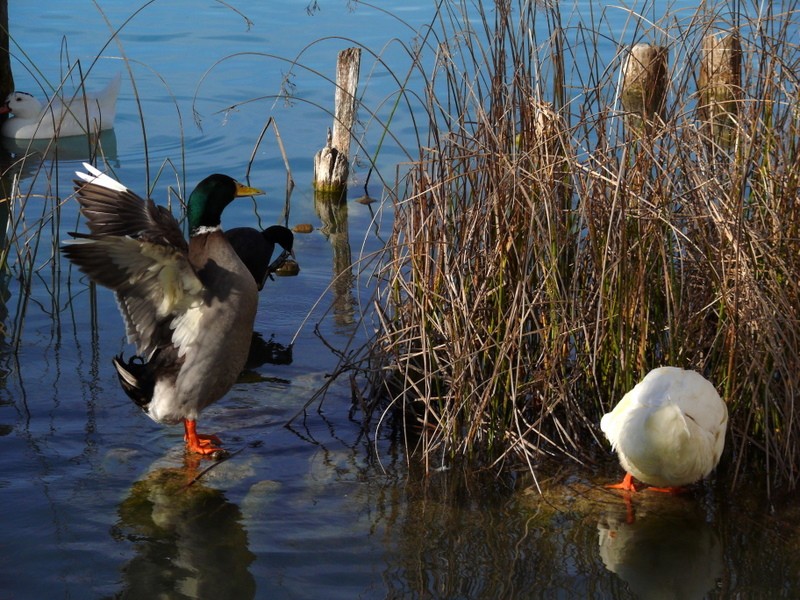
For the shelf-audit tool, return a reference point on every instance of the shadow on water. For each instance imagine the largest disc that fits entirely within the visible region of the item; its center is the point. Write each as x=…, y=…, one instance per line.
x=188, y=539
x=269, y=351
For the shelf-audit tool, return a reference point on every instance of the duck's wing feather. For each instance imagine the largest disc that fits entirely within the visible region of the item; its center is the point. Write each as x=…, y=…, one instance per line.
x=136, y=249
x=112, y=209
x=154, y=283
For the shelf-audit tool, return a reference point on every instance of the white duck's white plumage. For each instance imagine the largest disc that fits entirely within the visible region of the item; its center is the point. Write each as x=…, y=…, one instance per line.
x=669, y=430
x=62, y=117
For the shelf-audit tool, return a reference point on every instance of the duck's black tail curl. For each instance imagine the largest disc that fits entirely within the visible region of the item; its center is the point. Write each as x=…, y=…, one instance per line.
x=136, y=378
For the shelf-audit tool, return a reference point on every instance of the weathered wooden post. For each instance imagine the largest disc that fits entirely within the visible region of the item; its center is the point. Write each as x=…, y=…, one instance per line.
x=6, y=77
x=6, y=87
x=644, y=88
x=543, y=142
x=720, y=87
x=331, y=167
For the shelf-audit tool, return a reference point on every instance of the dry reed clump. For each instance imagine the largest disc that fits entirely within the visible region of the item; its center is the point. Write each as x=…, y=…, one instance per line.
x=541, y=262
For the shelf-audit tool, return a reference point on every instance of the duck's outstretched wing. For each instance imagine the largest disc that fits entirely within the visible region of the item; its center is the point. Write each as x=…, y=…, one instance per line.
x=112, y=209
x=135, y=249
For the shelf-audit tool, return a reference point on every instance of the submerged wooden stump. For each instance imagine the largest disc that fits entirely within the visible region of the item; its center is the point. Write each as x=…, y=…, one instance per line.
x=6, y=87
x=644, y=88
x=6, y=76
x=331, y=166
x=331, y=170
x=720, y=87
x=543, y=143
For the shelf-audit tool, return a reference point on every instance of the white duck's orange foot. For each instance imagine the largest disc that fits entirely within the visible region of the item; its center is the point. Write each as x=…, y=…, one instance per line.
x=626, y=484
x=198, y=442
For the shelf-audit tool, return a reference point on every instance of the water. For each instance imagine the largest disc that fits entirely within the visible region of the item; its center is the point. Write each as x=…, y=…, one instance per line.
x=100, y=502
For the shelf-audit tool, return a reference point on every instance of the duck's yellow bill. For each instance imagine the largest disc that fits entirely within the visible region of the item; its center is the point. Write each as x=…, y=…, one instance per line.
x=243, y=190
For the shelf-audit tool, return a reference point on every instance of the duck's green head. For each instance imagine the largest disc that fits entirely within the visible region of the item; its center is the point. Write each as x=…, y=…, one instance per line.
x=210, y=198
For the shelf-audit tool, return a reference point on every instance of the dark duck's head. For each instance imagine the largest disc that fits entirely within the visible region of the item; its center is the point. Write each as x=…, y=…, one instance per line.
x=255, y=249
x=282, y=236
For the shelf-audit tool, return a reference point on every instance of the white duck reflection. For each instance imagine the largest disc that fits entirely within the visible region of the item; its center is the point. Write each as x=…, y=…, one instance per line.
x=661, y=556
x=67, y=148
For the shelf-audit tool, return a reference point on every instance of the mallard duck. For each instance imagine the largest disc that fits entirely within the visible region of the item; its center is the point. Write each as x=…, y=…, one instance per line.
x=255, y=249
x=188, y=308
x=60, y=117
x=669, y=430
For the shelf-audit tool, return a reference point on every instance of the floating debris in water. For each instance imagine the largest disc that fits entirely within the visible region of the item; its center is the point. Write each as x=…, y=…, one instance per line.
x=290, y=268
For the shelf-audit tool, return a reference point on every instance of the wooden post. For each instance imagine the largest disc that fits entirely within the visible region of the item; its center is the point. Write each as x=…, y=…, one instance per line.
x=331, y=166
x=720, y=87
x=6, y=87
x=543, y=140
x=6, y=77
x=644, y=88
x=348, y=66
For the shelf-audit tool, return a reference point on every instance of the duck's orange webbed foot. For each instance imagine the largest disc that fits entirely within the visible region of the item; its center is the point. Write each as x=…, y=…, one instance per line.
x=198, y=442
x=626, y=484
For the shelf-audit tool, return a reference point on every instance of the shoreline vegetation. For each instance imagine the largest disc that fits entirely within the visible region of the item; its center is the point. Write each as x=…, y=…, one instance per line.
x=554, y=241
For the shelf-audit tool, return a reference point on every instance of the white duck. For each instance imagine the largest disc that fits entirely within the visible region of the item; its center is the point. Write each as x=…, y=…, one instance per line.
x=669, y=430
x=63, y=117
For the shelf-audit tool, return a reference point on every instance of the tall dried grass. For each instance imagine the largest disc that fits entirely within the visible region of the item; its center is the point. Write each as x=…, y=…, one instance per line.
x=541, y=261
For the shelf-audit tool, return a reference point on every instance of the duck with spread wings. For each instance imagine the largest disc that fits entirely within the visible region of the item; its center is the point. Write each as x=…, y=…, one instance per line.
x=188, y=308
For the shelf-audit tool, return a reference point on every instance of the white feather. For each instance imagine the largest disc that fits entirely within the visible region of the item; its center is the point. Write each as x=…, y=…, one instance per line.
x=187, y=327
x=206, y=229
x=99, y=178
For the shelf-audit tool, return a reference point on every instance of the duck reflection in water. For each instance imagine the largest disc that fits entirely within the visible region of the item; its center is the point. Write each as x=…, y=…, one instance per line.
x=188, y=539
x=676, y=554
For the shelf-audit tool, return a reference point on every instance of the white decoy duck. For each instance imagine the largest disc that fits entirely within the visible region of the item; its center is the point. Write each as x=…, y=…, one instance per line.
x=62, y=117
x=668, y=431
x=188, y=308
